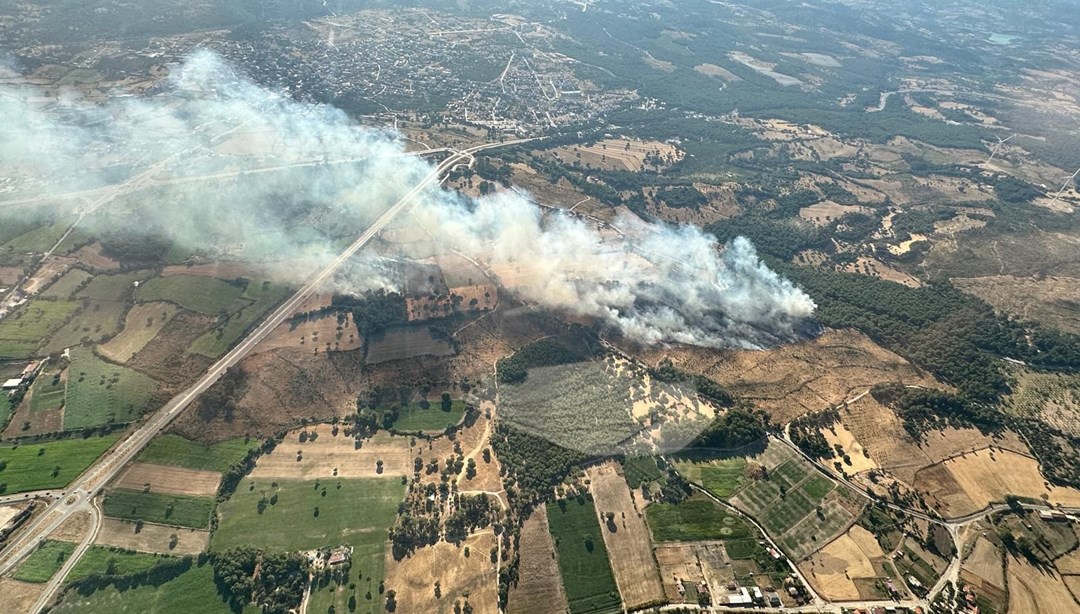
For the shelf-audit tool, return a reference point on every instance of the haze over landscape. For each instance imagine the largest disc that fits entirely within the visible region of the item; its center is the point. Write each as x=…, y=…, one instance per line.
x=540, y=307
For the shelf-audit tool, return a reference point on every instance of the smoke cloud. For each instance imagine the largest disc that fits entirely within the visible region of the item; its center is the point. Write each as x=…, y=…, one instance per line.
x=227, y=169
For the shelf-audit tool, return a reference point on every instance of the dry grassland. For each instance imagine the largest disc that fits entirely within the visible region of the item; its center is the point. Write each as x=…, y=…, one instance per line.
x=876, y=268
x=628, y=546
x=319, y=458
x=174, y=480
x=614, y=154
x=48, y=421
x=713, y=70
x=941, y=445
x=73, y=529
x=985, y=563
x=839, y=434
x=141, y=324
x=824, y=213
x=91, y=256
x=798, y=378
x=1069, y=564
x=1073, y=584
x=1045, y=300
x=678, y=563
x=152, y=538
x=1034, y=591
x=834, y=569
x=316, y=332
x=539, y=588
x=10, y=275
x=221, y=270
x=413, y=578
x=984, y=477
x=19, y=596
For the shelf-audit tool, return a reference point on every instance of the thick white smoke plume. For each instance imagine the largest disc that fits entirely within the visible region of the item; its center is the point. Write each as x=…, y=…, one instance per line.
x=228, y=169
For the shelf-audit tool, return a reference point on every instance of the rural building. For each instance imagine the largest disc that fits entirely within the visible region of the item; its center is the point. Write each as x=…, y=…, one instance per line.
x=13, y=383
x=1052, y=516
x=774, y=600
x=339, y=556
x=742, y=597
x=29, y=369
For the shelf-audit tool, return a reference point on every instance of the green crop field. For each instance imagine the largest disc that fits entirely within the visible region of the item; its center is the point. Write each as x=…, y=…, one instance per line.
x=722, y=477
x=192, y=591
x=23, y=331
x=695, y=519
x=44, y=562
x=176, y=510
x=51, y=464
x=93, y=323
x=256, y=299
x=583, y=559
x=40, y=239
x=413, y=418
x=103, y=393
x=207, y=295
x=64, y=287
x=103, y=560
x=355, y=512
x=795, y=503
x=118, y=287
x=179, y=452
x=47, y=392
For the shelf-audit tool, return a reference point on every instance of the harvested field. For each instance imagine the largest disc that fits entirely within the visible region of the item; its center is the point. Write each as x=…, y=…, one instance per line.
x=19, y=596
x=220, y=270
x=840, y=435
x=173, y=480
x=325, y=453
x=1035, y=591
x=873, y=267
x=324, y=332
x=458, y=272
x=835, y=569
x=629, y=545
x=984, y=476
x=825, y=213
x=91, y=256
x=881, y=432
x=462, y=579
x=141, y=324
x=1069, y=564
x=28, y=421
x=620, y=154
x=46, y=274
x=539, y=587
x=1049, y=300
x=405, y=342
x=985, y=563
x=794, y=379
x=152, y=537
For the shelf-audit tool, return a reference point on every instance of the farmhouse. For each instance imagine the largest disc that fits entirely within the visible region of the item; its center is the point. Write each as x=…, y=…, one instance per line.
x=13, y=383
x=339, y=556
x=742, y=597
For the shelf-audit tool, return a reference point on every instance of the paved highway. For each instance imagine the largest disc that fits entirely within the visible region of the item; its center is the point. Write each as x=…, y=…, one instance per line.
x=94, y=479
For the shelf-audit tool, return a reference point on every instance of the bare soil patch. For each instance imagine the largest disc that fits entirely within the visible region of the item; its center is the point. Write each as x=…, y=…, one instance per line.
x=10, y=275
x=985, y=563
x=876, y=268
x=473, y=578
x=73, y=529
x=628, y=545
x=174, y=480
x=152, y=538
x=321, y=456
x=539, y=588
x=835, y=568
x=19, y=596
x=678, y=563
x=840, y=435
x=794, y=379
x=25, y=422
x=47, y=273
x=619, y=154
x=824, y=213
x=1036, y=591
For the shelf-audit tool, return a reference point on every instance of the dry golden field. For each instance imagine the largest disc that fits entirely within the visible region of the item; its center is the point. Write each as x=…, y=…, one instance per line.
x=461, y=578
x=173, y=480
x=151, y=538
x=539, y=588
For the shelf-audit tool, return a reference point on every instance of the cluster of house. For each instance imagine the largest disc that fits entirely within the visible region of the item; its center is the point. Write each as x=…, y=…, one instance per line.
x=325, y=558
x=24, y=379
x=756, y=596
x=1057, y=516
x=885, y=609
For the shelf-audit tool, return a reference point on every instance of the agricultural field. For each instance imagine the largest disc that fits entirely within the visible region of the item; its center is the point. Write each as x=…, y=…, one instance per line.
x=639, y=470
x=20, y=596
x=94, y=322
x=626, y=536
x=141, y=324
x=412, y=417
x=152, y=538
x=173, y=510
x=303, y=514
x=848, y=567
x=102, y=560
x=206, y=295
x=985, y=568
x=1053, y=398
x=1036, y=591
x=722, y=477
x=405, y=342
x=620, y=154
x=164, y=479
x=462, y=579
x=176, y=451
x=44, y=562
x=795, y=504
x=579, y=406
x=51, y=464
x=328, y=332
x=40, y=239
x=23, y=331
x=583, y=558
x=323, y=453
x=539, y=588
x=698, y=519
x=48, y=391
x=68, y=283
x=191, y=591
x=255, y=300
x=102, y=393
